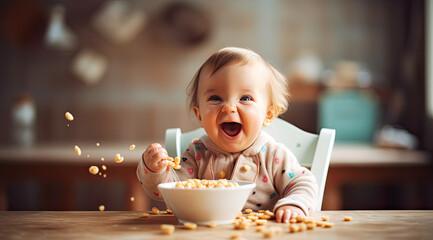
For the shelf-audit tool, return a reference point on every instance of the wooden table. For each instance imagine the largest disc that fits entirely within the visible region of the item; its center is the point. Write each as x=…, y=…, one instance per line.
x=130, y=225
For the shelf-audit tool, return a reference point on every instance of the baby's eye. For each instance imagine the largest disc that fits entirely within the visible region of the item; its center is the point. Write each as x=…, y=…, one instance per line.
x=246, y=98
x=214, y=98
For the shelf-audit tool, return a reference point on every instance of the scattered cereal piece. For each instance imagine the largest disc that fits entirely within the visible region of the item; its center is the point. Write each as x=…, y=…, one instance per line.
x=300, y=219
x=132, y=199
x=302, y=227
x=294, y=228
x=236, y=236
x=98, y=144
x=78, y=150
x=101, y=208
x=252, y=218
x=169, y=211
x=261, y=222
x=212, y=225
x=311, y=226
x=347, y=218
x=145, y=215
x=222, y=174
x=247, y=168
x=190, y=226
x=167, y=228
x=308, y=220
x=260, y=228
x=93, y=170
x=269, y=213
x=325, y=218
x=104, y=167
x=328, y=225
x=248, y=210
x=292, y=220
x=132, y=147
x=320, y=224
x=241, y=223
x=118, y=158
x=69, y=116
x=155, y=210
x=270, y=232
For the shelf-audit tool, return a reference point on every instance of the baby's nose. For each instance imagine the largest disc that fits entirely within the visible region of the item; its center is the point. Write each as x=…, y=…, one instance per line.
x=229, y=108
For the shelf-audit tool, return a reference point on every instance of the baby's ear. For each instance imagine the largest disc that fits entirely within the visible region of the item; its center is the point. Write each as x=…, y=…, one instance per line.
x=272, y=113
x=197, y=113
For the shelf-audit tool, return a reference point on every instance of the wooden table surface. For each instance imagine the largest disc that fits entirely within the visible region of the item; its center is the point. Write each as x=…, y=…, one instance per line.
x=130, y=225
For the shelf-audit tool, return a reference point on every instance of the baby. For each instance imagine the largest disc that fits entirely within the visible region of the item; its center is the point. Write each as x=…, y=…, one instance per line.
x=233, y=95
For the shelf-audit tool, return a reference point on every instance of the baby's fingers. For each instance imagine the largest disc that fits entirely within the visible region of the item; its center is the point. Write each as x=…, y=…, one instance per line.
x=283, y=215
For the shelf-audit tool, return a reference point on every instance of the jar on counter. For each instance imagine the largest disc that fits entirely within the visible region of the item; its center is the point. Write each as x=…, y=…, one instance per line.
x=23, y=115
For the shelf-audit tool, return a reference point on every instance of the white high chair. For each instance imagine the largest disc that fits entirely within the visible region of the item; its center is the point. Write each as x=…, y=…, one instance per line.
x=313, y=151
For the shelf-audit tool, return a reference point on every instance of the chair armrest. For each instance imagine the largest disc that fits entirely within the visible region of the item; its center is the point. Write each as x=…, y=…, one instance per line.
x=172, y=141
x=321, y=160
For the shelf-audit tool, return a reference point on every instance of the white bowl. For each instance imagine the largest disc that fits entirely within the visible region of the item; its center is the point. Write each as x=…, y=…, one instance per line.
x=203, y=206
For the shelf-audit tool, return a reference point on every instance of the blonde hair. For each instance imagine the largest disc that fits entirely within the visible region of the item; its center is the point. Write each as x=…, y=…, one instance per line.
x=279, y=92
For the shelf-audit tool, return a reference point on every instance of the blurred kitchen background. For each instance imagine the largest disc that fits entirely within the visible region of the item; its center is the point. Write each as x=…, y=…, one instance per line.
x=121, y=68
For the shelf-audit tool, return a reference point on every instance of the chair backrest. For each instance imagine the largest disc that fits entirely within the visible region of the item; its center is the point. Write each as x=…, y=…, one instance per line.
x=312, y=150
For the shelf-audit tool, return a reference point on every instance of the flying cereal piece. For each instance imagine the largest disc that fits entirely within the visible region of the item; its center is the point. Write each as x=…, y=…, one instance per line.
x=104, y=176
x=69, y=116
x=98, y=144
x=102, y=159
x=222, y=174
x=101, y=208
x=167, y=228
x=93, y=170
x=347, y=218
x=190, y=226
x=118, y=159
x=104, y=167
x=77, y=150
x=132, y=147
x=132, y=199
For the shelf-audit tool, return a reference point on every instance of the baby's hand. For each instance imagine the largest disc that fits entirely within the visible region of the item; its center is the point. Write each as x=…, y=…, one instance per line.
x=155, y=157
x=285, y=213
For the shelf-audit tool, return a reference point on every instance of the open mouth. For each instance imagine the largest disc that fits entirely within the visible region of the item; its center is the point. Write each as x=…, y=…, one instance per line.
x=231, y=128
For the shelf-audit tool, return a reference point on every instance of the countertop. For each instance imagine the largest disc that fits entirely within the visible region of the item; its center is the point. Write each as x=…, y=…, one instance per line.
x=343, y=154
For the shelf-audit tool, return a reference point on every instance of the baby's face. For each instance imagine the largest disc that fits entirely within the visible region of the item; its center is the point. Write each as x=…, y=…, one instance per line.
x=233, y=104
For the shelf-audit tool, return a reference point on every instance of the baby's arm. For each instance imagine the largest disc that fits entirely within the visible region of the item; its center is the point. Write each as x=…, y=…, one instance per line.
x=297, y=187
x=152, y=169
